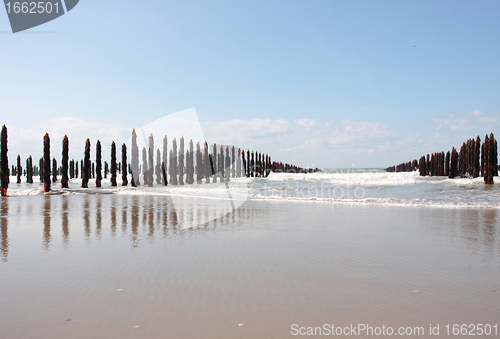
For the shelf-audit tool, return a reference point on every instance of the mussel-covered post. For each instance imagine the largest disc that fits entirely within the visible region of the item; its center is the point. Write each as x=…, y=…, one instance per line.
x=238, y=164
x=164, y=160
x=135, y=160
x=4, y=162
x=124, y=165
x=29, y=170
x=98, y=166
x=228, y=165
x=151, y=163
x=86, y=165
x=213, y=163
x=19, y=170
x=158, y=166
x=54, y=170
x=173, y=178
x=181, y=161
x=207, y=167
x=46, y=162
x=199, y=164
x=113, y=164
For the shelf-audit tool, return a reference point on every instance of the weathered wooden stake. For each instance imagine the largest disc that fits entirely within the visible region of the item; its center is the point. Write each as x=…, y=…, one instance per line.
x=151, y=162
x=54, y=170
x=4, y=163
x=19, y=169
x=113, y=164
x=135, y=160
x=124, y=165
x=214, y=163
x=98, y=161
x=158, y=170
x=206, y=164
x=86, y=165
x=46, y=162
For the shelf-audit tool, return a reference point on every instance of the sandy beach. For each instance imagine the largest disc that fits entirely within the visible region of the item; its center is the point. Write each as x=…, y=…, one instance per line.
x=118, y=266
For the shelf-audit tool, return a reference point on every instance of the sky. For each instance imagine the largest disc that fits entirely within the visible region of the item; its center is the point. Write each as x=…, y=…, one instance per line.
x=315, y=83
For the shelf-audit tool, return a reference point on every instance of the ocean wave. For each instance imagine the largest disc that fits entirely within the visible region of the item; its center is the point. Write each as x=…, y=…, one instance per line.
x=382, y=201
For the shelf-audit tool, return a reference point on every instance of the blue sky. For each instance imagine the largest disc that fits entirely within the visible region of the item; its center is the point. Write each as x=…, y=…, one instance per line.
x=313, y=82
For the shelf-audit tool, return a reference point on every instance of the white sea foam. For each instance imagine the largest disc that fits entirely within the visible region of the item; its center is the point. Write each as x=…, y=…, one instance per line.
x=353, y=186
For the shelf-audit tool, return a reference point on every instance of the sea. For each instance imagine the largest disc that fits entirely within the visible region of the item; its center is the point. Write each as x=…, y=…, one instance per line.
x=370, y=186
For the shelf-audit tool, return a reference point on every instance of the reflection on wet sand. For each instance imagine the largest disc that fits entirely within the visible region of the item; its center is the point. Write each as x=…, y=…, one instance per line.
x=154, y=218
x=86, y=215
x=65, y=220
x=4, y=221
x=98, y=216
x=46, y=222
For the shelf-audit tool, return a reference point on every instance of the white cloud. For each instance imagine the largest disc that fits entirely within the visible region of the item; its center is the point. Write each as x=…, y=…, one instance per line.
x=303, y=138
x=472, y=121
x=29, y=141
x=303, y=141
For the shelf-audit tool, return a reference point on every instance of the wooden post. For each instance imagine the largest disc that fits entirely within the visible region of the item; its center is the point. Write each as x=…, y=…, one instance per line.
x=207, y=164
x=199, y=164
x=221, y=164
x=248, y=164
x=214, y=163
x=453, y=164
x=173, y=179
x=124, y=165
x=46, y=162
x=252, y=166
x=134, y=154
x=477, y=157
x=190, y=166
x=164, y=160
x=494, y=155
x=233, y=163
x=113, y=164
x=4, y=162
x=54, y=170
x=71, y=169
x=171, y=167
x=447, y=164
x=29, y=170
x=158, y=170
x=19, y=170
x=98, y=161
x=181, y=161
x=151, y=163
x=228, y=165
x=145, y=166
x=238, y=164
x=85, y=165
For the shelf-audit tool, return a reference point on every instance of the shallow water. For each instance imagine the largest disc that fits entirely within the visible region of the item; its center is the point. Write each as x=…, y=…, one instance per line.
x=337, y=186
x=267, y=265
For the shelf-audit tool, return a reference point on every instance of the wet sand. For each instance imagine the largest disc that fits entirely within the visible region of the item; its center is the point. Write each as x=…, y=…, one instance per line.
x=119, y=266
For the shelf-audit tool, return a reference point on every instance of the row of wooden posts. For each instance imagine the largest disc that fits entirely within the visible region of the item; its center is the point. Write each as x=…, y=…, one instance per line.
x=473, y=160
x=221, y=164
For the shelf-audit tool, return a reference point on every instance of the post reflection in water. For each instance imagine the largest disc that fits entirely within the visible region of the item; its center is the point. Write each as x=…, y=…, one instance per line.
x=135, y=223
x=113, y=216
x=46, y=222
x=86, y=216
x=65, y=220
x=151, y=233
x=477, y=230
x=4, y=221
x=124, y=216
x=98, y=216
